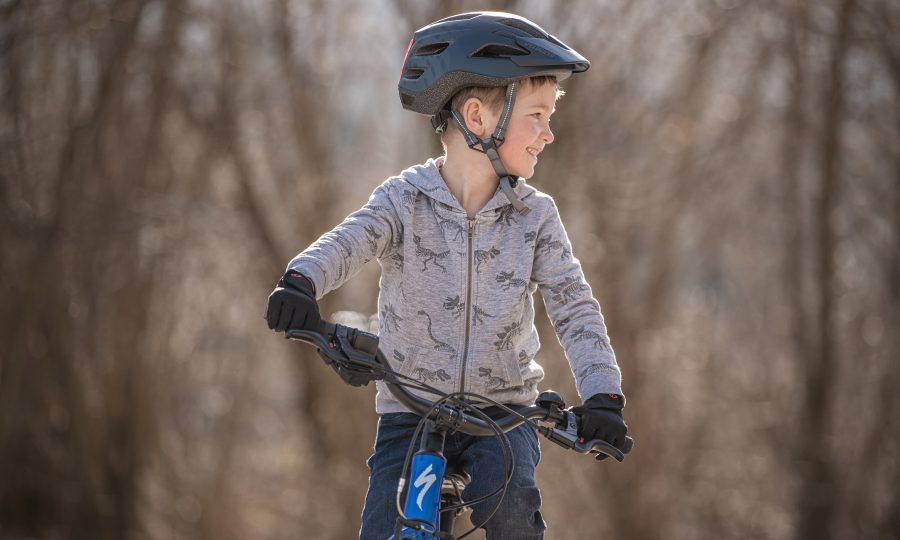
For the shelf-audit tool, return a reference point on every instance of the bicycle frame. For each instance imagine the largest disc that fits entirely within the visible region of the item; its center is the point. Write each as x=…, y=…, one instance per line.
x=355, y=350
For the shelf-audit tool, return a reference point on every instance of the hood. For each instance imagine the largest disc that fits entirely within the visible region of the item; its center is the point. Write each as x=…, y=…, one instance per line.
x=427, y=178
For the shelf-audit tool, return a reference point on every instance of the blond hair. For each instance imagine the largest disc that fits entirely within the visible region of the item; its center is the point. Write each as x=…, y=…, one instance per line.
x=493, y=96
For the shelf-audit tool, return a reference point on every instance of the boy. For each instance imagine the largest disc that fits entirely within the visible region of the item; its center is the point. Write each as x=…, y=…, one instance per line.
x=463, y=244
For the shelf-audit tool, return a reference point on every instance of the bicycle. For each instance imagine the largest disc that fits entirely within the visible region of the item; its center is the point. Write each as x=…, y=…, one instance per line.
x=429, y=514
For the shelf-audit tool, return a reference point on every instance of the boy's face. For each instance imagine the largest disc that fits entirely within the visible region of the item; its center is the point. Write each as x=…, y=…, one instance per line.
x=528, y=131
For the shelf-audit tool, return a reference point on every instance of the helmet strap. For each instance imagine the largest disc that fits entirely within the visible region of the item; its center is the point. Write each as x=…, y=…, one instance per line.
x=439, y=121
x=490, y=145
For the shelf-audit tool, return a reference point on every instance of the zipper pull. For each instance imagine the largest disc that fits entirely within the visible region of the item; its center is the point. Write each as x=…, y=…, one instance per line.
x=471, y=224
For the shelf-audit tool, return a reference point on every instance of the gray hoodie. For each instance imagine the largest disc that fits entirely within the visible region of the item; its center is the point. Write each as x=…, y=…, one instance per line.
x=455, y=303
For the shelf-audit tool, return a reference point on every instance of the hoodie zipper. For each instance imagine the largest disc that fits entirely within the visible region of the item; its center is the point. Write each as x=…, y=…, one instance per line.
x=469, y=277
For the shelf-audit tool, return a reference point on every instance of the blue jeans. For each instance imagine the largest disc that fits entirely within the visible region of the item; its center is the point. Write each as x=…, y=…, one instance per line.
x=519, y=515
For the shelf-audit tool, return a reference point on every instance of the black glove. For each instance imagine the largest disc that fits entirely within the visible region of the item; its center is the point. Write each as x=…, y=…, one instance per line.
x=601, y=418
x=292, y=305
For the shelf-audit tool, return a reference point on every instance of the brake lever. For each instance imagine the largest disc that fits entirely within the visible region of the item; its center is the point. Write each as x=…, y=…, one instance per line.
x=335, y=343
x=306, y=336
x=567, y=437
x=600, y=449
x=350, y=352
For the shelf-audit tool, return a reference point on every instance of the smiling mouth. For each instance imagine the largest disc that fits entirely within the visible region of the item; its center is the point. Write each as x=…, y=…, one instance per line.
x=533, y=151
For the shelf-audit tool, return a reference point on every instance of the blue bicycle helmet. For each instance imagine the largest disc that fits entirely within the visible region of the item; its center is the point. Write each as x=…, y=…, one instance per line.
x=487, y=48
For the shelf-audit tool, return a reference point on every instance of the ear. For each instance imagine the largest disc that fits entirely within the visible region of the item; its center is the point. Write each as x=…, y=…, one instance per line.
x=476, y=116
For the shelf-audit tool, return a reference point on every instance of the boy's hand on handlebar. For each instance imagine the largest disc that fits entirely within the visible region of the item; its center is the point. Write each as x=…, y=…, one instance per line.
x=292, y=305
x=601, y=418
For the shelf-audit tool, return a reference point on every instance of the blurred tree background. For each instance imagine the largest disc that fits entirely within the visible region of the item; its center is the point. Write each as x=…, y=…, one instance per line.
x=729, y=172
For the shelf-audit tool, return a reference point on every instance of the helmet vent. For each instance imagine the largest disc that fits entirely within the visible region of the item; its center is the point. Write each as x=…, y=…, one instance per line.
x=413, y=73
x=498, y=50
x=558, y=42
x=523, y=26
x=432, y=48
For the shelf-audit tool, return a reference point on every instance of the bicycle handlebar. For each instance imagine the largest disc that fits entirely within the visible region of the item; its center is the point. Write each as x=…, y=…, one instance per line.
x=333, y=341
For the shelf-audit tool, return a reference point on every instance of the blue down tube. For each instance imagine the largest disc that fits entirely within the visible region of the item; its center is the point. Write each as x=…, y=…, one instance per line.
x=424, y=498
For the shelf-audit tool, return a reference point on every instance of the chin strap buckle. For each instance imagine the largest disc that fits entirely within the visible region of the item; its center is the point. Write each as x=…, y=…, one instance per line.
x=507, y=183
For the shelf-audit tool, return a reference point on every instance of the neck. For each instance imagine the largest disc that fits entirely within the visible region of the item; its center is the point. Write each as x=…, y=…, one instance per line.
x=470, y=178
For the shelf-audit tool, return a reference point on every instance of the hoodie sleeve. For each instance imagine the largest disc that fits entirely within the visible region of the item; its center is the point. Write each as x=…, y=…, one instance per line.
x=372, y=231
x=573, y=311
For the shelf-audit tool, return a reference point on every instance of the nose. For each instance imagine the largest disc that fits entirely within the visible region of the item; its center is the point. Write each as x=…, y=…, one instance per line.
x=547, y=135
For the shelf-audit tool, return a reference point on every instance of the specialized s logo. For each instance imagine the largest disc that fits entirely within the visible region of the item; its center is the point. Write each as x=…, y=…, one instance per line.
x=424, y=479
